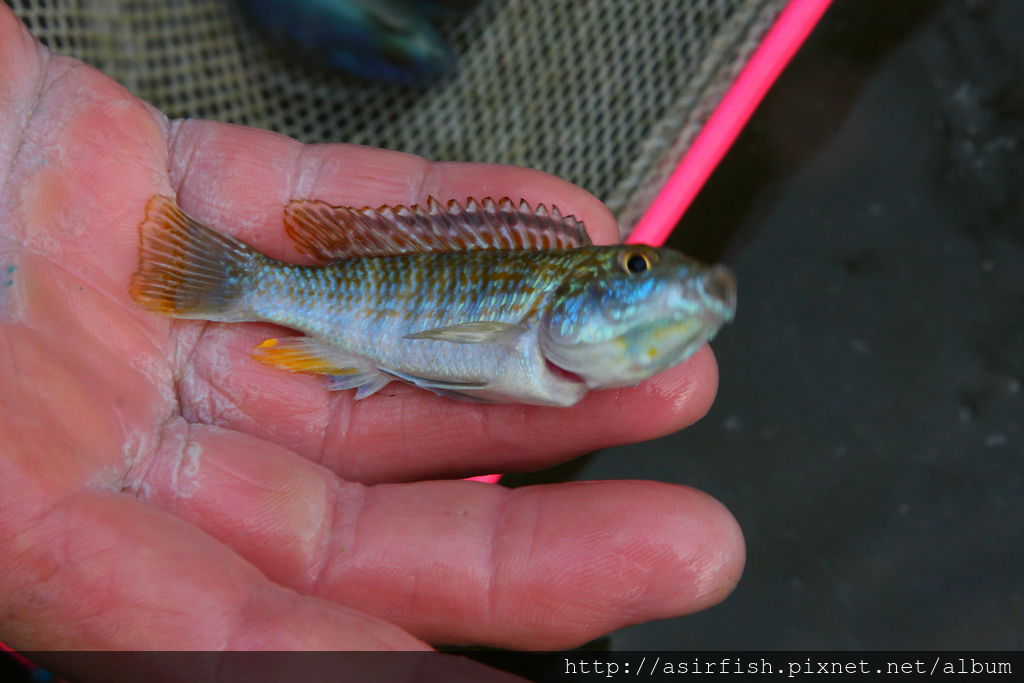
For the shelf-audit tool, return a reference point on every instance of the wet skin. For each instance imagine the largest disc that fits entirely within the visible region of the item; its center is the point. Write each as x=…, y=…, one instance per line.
x=160, y=489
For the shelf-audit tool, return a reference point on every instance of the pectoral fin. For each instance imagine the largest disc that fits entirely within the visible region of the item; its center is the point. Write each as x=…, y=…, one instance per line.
x=476, y=332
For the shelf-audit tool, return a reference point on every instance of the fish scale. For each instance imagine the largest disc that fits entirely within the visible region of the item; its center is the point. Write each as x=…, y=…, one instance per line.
x=465, y=301
x=339, y=302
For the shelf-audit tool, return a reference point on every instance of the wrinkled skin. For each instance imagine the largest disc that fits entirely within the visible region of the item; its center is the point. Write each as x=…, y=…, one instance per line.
x=160, y=489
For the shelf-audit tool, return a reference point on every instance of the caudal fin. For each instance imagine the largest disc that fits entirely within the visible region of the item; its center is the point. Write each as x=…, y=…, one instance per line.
x=187, y=270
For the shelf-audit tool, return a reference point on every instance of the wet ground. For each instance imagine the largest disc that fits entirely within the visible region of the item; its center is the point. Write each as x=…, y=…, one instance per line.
x=869, y=428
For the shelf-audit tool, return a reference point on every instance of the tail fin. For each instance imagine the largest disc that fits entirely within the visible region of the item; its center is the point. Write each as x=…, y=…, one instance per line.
x=187, y=270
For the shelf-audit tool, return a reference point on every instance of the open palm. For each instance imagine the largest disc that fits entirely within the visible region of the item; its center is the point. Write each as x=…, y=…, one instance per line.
x=160, y=489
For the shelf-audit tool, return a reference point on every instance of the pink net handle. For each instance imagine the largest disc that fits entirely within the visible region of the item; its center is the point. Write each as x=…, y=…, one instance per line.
x=779, y=45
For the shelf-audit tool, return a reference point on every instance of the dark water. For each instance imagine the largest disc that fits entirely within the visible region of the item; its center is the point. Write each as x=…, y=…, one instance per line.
x=868, y=429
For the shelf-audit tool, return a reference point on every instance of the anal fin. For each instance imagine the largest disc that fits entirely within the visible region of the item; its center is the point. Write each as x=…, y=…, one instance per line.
x=452, y=388
x=366, y=383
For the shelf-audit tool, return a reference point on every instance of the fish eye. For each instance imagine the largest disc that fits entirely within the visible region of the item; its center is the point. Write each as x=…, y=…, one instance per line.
x=635, y=261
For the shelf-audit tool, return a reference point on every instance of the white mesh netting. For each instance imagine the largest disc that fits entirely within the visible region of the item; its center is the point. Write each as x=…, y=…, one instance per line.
x=605, y=93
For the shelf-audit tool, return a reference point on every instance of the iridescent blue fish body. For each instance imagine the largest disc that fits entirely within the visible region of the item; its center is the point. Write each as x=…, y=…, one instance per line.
x=491, y=301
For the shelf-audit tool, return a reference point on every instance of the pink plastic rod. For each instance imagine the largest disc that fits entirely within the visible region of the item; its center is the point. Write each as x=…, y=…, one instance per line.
x=486, y=478
x=778, y=47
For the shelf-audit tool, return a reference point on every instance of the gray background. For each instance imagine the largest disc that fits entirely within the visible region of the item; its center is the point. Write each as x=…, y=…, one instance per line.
x=867, y=432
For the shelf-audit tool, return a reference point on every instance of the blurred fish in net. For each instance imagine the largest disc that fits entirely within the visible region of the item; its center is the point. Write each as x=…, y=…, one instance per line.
x=386, y=40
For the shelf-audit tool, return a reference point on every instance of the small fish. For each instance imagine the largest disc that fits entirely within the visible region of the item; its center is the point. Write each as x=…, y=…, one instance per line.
x=440, y=9
x=384, y=40
x=491, y=301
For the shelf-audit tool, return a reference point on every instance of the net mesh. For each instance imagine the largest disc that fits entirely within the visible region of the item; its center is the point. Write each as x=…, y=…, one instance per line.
x=605, y=93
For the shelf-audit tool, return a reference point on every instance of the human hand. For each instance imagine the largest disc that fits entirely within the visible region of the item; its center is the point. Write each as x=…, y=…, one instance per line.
x=160, y=489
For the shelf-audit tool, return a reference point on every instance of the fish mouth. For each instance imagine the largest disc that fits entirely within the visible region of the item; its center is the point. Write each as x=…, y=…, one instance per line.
x=719, y=286
x=563, y=374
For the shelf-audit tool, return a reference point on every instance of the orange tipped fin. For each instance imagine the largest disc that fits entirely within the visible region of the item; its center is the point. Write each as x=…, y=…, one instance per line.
x=329, y=232
x=304, y=354
x=310, y=356
x=187, y=270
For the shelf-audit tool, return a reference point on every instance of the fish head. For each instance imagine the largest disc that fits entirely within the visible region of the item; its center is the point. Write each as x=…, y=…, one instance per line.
x=632, y=311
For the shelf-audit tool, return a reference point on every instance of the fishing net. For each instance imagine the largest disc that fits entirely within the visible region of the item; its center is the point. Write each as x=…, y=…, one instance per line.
x=605, y=93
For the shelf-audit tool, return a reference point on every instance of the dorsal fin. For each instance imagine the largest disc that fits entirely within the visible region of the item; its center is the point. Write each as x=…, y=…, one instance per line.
x=329, y=232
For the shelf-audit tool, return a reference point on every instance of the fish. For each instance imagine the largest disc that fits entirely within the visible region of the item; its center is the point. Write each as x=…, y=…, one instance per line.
x=490, y=301
x=380, y=40
x=445, y=9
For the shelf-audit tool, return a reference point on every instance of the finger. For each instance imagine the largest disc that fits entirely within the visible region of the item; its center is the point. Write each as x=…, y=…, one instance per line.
x=457, y=562
x=101, y=570
x=238, y=180
x=269, y=667
x=404, y=433
x=85, y=156
x=21, y=72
